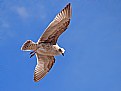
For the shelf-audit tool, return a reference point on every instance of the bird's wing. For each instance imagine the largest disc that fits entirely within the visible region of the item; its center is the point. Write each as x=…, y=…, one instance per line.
x=44, y=64
x=57, y=26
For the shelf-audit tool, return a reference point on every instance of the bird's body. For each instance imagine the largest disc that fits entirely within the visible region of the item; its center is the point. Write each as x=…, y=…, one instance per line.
x=43, y=48
x=46, y=47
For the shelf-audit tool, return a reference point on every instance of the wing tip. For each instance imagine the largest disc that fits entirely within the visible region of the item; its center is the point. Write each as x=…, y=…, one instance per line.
x=69, y=9
x=69, y=4
x=37, y=79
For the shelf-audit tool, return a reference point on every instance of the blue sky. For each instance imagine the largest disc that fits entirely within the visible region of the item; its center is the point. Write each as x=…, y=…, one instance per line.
x=92, y=60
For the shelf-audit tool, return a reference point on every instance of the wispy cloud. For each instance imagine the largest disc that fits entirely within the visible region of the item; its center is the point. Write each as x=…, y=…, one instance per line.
x=10, y=13
x=30, y=13
x=22, y=12
x=5, y=30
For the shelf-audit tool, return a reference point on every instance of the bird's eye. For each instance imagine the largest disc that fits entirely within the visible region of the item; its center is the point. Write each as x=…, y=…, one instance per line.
x=60, y=50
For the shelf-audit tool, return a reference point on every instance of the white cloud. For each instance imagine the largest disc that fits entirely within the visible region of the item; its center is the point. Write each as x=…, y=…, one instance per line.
x=30, y=13
x=22, y=12
x=5, y=30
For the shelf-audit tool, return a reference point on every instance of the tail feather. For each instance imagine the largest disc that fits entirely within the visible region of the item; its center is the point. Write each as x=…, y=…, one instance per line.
x=29, y=45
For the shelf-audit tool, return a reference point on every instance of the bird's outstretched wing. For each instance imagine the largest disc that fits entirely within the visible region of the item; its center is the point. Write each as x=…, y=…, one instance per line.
x=44, y=64
x=57, y=26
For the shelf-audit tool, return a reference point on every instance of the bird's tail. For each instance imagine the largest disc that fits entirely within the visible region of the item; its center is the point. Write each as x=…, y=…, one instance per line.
x=29, y=45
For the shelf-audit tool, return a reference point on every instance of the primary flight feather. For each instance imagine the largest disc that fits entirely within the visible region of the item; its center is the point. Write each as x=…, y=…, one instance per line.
x=46, y=47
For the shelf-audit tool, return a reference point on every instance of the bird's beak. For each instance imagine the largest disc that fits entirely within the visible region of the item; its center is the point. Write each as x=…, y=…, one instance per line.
x=63, y=54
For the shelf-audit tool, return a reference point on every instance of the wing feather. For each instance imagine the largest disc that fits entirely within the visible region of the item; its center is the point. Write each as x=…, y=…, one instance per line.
x=57, y=26
x=44, y=64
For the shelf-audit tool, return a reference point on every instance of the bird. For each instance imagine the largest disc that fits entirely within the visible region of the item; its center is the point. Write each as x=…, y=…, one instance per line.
x=46, y=47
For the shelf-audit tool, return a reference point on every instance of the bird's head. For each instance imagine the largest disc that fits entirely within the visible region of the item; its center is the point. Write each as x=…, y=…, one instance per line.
x=61, y=50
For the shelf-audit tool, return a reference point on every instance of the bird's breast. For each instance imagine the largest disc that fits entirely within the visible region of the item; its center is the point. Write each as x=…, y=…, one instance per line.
x=47, y=49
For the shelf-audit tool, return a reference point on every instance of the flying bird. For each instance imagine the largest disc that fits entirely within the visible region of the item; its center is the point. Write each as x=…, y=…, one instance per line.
x=46, y=47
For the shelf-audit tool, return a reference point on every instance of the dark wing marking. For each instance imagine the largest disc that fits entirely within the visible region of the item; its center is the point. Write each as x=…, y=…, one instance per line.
x=44, y=64
x=57, y=26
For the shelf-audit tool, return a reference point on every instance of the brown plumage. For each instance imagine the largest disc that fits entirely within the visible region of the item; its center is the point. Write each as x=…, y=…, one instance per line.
x=44, y=64
x=46, y=47
x=29, y=45
x=57, y=26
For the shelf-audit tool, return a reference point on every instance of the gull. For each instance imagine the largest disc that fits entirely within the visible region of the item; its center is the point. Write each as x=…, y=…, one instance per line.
x=46, y=47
